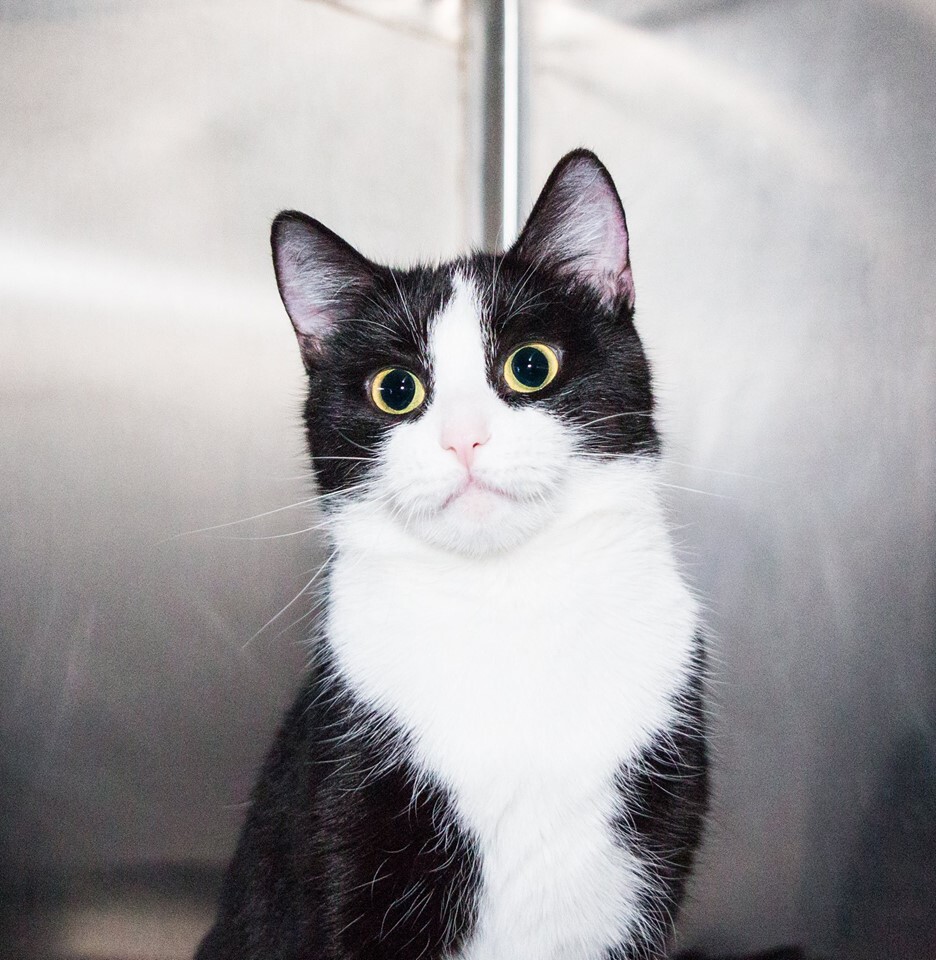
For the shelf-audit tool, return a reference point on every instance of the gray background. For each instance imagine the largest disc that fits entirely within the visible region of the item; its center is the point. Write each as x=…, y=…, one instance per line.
x=777, y=161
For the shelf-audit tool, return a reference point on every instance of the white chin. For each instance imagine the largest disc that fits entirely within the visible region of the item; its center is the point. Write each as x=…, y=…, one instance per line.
x=480, y=521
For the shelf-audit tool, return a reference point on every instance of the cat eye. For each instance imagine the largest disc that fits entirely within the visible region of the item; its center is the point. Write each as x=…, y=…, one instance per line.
x=531, y=367
x=397, y=391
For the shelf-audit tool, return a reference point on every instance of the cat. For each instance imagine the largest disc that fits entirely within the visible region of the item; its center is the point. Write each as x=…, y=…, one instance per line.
x=499, y=752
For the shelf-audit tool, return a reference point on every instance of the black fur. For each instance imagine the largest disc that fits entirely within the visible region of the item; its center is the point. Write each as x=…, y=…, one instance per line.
x=345, y=854
x=388, y=326
x=666, y=796
x=604, y=372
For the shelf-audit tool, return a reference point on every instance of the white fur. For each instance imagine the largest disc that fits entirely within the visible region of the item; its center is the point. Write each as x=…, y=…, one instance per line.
x=531, y=645
x=525, y=457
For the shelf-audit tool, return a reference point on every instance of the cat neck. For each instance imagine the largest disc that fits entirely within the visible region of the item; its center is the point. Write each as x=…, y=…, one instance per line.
x=588, y=623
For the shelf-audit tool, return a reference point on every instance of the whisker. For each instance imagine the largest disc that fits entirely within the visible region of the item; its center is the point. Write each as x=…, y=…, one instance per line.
x=408, y=314
x=313, y=610
x=360, y=446
x=362, y=459
x=373, y=323
x=278, y=536
x=318, y=499
x=724, y=473
x=601, y=457
x=256, y=516
x=612, y=416
x=276, y=616
x=703, y=493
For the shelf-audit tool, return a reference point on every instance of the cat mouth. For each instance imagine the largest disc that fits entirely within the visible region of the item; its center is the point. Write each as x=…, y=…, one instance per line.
x=471, y=489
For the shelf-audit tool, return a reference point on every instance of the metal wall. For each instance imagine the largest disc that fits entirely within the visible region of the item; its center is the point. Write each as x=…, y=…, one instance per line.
x=777, y=161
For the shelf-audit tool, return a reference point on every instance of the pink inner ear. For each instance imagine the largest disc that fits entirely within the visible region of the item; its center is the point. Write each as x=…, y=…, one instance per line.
x=616, y=286
x=609, y=265
x=597, y=245
x=303, y=287
x=307, y=305
x=578, y=225
x=316, y=271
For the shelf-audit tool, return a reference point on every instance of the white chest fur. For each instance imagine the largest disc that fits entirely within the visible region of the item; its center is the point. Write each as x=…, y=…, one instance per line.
x=526, y=681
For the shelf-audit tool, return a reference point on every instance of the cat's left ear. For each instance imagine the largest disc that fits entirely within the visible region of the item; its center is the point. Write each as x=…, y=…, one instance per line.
x=321, y=279
x=578, y=228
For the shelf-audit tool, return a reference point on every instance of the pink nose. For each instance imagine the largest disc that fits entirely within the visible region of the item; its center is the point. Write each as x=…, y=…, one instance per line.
x=463, y=439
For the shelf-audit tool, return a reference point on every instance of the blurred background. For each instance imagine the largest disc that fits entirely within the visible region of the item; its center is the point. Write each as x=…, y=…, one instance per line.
x=777, y=160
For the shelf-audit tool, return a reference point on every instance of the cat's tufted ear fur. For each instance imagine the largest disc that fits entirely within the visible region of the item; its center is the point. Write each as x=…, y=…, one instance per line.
x=321, y=278
x=578, y=228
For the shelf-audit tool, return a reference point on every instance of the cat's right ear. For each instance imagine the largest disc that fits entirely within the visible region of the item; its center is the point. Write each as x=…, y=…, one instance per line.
x=320, y=278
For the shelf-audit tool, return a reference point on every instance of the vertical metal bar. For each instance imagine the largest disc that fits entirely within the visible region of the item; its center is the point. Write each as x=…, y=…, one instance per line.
x=510, y=125
x=493, y=76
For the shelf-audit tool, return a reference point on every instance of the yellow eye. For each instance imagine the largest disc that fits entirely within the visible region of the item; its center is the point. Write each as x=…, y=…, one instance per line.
x=397, y=391
x=531, y=367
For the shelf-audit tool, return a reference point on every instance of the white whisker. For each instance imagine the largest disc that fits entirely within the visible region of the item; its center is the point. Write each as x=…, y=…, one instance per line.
x=276, y=616
x=256, y=516
x=612, y=416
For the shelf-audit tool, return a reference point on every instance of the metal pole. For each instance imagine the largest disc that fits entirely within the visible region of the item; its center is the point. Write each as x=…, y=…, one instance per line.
x=510, y=126
x=494, y=76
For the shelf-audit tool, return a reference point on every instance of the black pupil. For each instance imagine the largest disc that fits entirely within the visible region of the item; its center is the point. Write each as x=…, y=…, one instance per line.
x=530, y=366
x=397, y=389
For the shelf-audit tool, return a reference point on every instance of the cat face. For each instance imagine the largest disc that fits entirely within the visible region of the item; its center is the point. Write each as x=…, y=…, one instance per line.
x=463, y=401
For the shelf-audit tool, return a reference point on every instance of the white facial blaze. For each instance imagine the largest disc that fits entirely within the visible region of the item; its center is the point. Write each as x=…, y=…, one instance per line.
x=473, y=473
x=456, y=349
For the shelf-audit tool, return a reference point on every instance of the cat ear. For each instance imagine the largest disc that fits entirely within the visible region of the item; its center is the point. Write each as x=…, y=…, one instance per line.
x=578, y=228
x=318, y=275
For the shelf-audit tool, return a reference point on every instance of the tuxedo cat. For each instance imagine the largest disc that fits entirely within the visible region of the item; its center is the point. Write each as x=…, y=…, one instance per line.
x=499, y=751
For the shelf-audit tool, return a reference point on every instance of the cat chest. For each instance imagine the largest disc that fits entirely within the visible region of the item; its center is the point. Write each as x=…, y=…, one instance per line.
x=547, y=667
x=556, y=881
x=524, y=699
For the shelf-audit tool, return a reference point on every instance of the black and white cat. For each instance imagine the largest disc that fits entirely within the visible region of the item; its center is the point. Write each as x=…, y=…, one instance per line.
x=499, y=753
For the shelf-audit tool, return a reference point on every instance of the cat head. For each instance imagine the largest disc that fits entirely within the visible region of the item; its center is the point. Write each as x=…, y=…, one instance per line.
x=463, y=402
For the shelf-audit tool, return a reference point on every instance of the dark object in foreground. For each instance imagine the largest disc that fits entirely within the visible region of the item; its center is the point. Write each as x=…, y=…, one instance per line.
x=781, y=953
